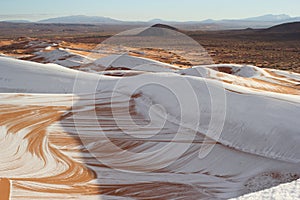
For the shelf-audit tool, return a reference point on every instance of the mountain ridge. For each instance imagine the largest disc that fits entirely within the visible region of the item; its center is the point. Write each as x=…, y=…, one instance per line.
x=81, y=19
x=101, y=19
x=260, y=22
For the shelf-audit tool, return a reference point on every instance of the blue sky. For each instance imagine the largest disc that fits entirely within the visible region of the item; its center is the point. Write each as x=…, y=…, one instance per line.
x=180, y=10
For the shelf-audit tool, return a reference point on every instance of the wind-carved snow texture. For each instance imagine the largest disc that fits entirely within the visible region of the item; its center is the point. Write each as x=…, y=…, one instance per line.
x=142, y=129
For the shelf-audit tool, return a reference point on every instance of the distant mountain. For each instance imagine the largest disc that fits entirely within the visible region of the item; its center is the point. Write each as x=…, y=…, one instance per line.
x=260, y=19
x=268, y=18
x=81, y=19
x=293, y=19
x=263, y=18
x=17, y=21
x=156, y=21
x=208, y=21
x=263, y=21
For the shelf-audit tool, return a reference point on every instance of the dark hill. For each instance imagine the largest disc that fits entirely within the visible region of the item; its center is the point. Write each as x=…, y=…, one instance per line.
x=287, y=27
x=159, y=30
x=164, y=26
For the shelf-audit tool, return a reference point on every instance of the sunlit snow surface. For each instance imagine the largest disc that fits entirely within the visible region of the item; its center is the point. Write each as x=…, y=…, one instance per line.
x=142, y=129
x=287, y=191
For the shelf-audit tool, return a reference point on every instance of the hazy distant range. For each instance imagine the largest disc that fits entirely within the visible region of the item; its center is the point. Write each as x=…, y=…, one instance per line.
x=264, y=21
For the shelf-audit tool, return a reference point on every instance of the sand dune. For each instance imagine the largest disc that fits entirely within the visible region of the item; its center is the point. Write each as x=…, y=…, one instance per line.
x=208, y=132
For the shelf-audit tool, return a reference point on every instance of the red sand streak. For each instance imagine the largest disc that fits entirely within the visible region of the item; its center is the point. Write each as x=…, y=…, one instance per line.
x=4, y=188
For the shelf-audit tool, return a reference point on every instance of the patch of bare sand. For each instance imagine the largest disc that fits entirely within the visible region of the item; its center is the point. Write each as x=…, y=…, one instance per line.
x=4, y=189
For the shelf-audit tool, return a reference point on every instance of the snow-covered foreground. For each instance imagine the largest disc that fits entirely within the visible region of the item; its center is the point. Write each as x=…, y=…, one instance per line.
x=288, y=191
x=141, y=129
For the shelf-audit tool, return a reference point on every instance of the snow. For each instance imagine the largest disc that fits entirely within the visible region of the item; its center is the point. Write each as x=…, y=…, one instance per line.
x=288, y=191
x=39, y=45
x=132, y=63
x=30, y=77
x=241, y=70
x=190, y=131
x=61, y=57
x=290, y=75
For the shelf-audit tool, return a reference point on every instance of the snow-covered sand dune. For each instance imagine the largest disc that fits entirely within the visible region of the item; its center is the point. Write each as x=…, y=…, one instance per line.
x=209, y=132
x=59, y=56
